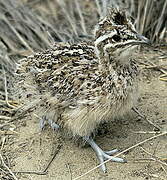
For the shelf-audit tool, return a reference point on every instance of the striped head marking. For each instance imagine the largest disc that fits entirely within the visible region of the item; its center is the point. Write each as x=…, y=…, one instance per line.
x=115, y=34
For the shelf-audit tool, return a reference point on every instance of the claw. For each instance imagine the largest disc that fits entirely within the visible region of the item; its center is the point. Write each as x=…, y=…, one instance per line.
x=104, y=155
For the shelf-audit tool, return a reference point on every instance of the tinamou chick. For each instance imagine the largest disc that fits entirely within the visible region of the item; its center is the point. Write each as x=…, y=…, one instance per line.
x=83, y=85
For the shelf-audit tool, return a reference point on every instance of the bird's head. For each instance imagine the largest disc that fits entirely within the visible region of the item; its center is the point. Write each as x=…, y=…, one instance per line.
x=116, y=36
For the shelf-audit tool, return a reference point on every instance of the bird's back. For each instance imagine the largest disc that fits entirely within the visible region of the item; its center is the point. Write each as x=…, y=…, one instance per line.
x=65, y=71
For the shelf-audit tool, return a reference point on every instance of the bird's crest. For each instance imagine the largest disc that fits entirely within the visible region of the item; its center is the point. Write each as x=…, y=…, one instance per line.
x=117, y=16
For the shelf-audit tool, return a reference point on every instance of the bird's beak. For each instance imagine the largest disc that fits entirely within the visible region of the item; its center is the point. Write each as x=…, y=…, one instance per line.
x=139, y=41
x=142, y=40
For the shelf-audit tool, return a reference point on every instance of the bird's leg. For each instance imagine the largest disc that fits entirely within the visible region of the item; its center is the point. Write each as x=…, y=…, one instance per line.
x=44, y=121
x=103, y=155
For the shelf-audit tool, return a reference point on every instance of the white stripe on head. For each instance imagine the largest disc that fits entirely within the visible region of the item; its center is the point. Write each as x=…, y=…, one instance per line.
x=110, y=45
x=95, y=30
x=103, y=20
x=104, y=37
x=97, y=52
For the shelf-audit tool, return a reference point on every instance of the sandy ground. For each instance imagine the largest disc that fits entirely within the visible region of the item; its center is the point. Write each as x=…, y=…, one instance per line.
x=31, y=150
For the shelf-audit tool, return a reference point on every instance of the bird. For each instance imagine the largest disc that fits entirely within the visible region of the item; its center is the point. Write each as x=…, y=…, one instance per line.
x=80, y=86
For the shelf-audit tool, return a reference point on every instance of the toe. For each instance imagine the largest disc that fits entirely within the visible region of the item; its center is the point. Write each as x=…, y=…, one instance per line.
x=101, y=160
x=114, y=159
x=42, y=124
x=112, y=151
x=53, y=125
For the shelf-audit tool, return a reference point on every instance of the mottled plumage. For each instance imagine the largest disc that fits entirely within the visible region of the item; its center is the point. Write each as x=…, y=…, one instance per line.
x=82, y=85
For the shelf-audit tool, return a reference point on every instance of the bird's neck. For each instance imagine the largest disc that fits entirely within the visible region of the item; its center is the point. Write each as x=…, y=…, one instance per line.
x=110, y=63
x=107, y=60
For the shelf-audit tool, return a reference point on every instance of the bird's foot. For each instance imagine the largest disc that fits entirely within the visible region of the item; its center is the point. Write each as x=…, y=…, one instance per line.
x=104, y=155
x=45, y=121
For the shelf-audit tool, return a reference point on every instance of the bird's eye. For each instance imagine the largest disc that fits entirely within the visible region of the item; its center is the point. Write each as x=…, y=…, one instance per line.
x=116, y=38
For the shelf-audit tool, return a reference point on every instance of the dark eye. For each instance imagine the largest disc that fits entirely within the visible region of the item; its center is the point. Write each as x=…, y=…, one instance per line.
x=116, y=38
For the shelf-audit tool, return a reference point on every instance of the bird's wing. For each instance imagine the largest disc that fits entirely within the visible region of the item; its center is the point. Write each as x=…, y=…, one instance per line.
x=68, y=72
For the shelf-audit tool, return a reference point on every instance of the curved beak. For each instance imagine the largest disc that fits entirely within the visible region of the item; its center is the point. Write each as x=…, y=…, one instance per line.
x=142, y=40
x=139, y=41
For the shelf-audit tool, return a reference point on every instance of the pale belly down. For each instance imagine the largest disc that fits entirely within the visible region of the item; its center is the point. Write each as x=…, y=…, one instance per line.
x=82, y=120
